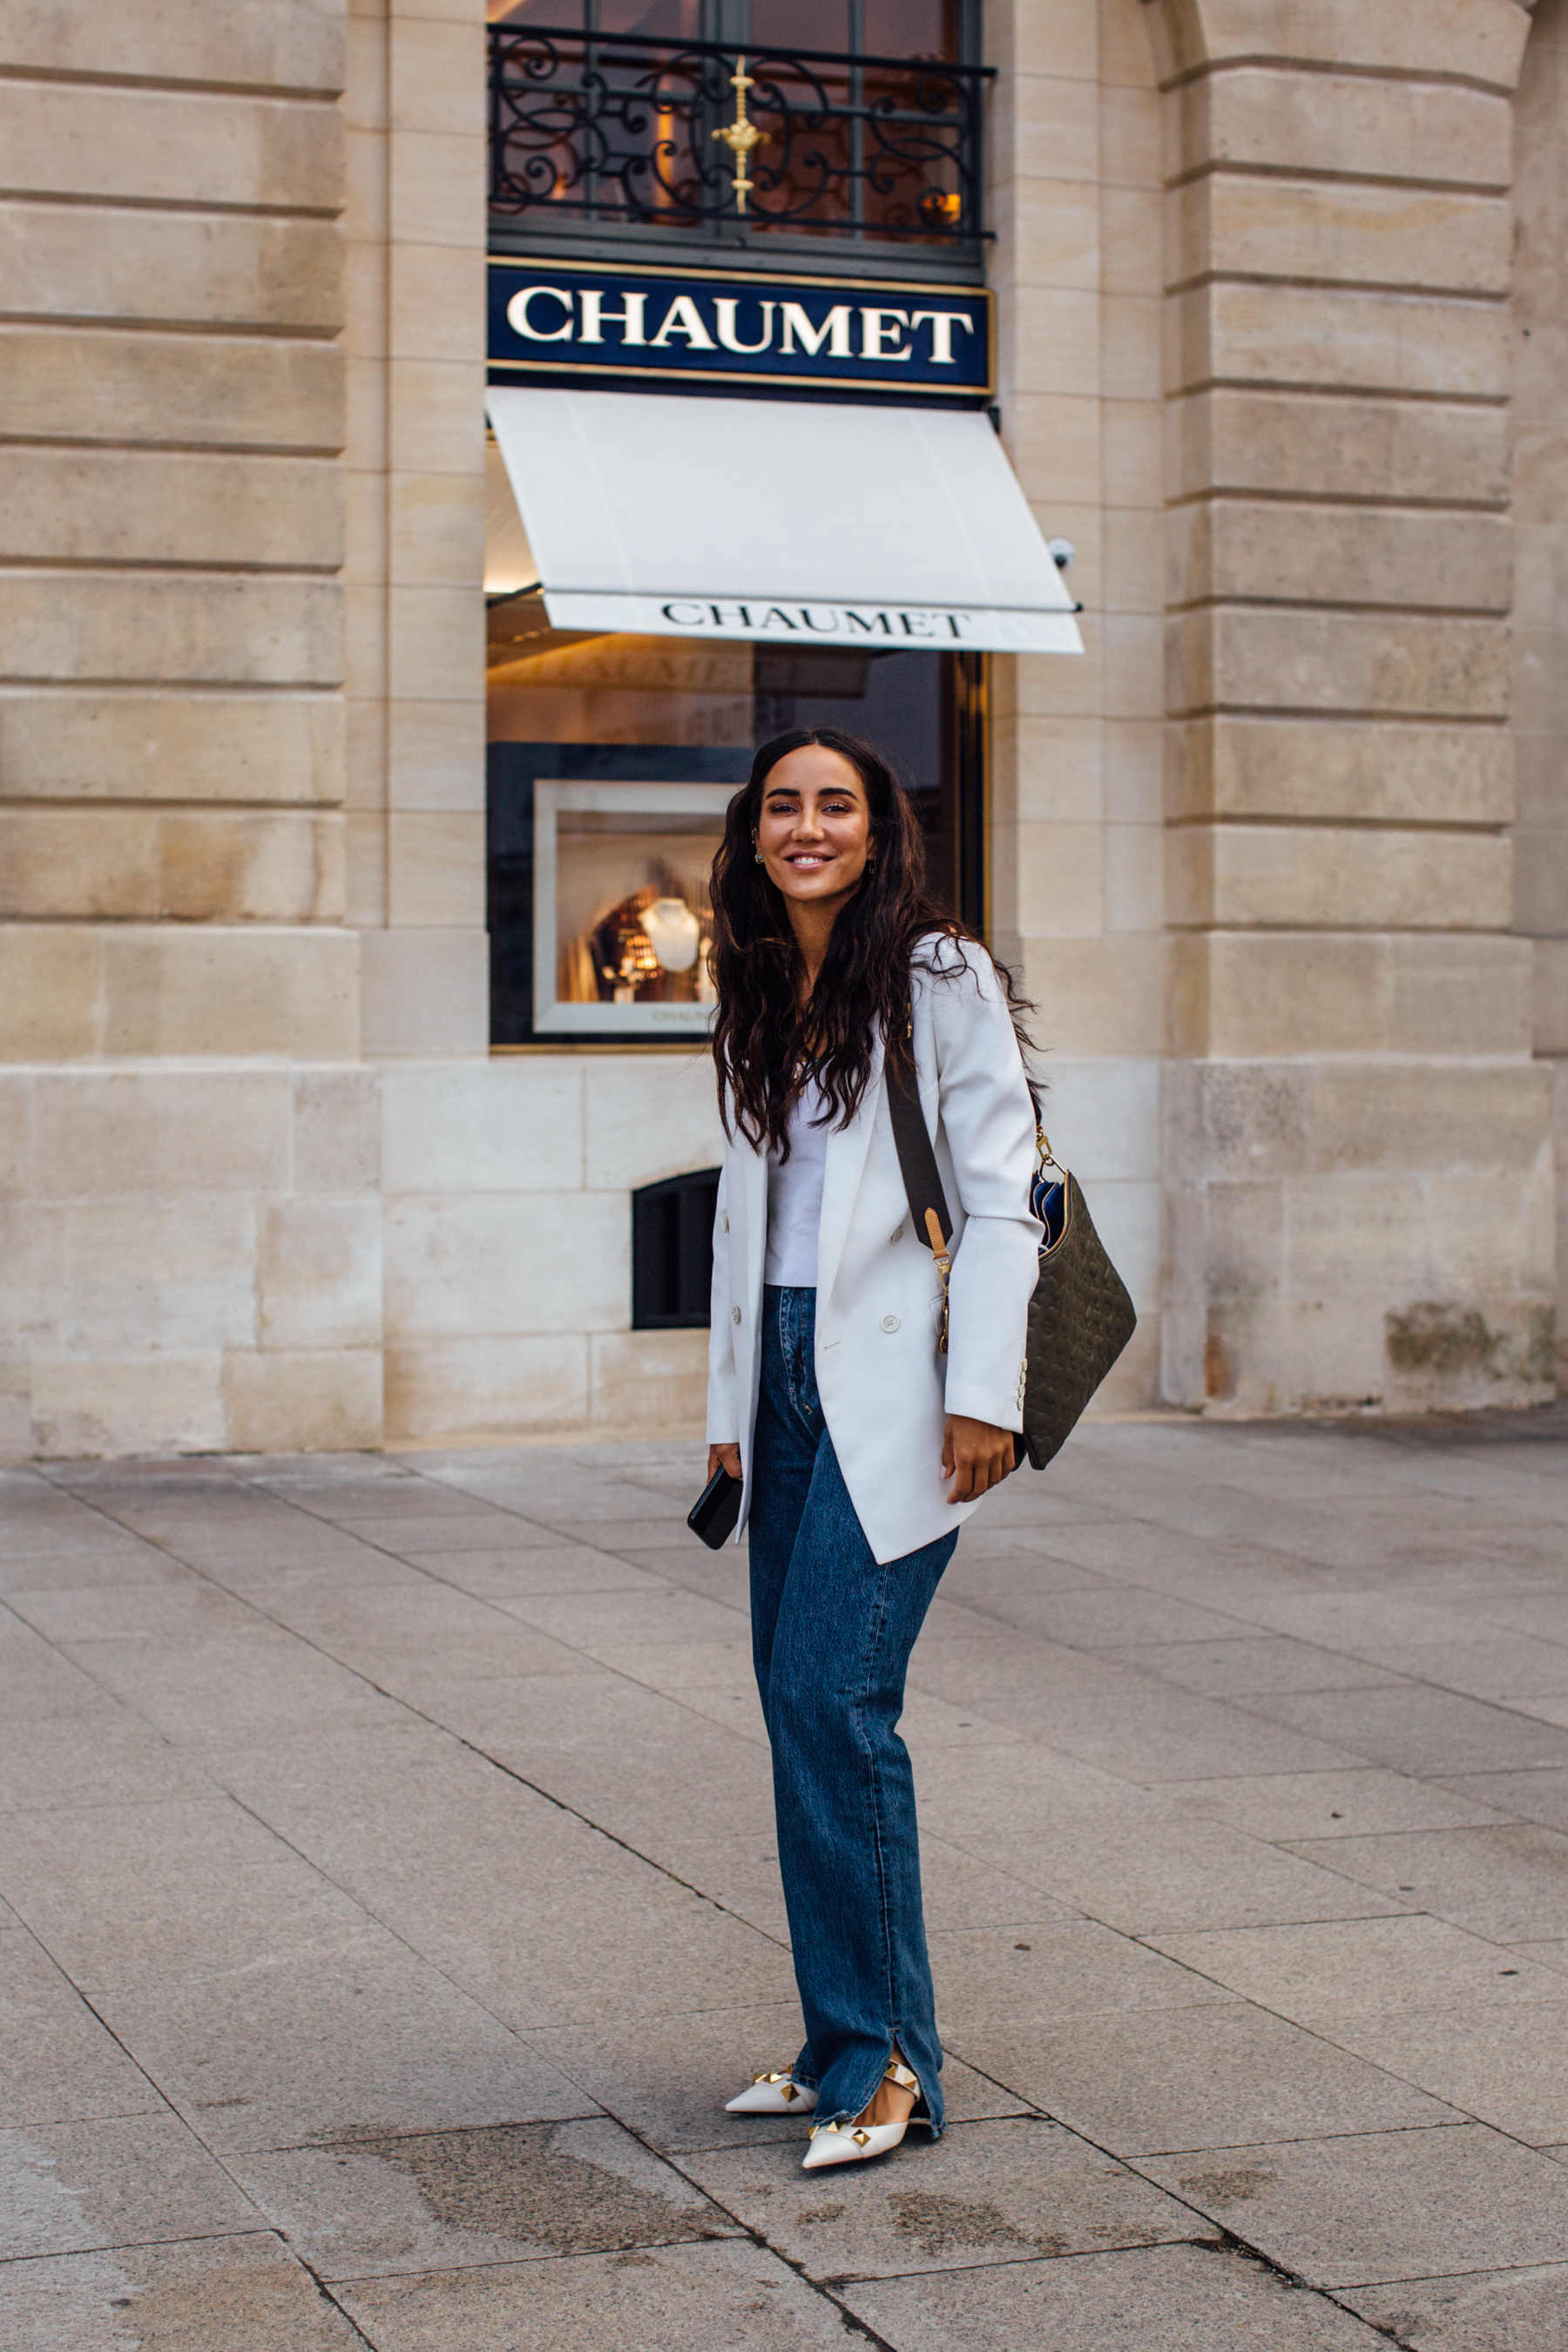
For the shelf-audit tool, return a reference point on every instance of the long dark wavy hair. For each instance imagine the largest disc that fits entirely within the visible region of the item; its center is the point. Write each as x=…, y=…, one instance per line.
x=766, y=1043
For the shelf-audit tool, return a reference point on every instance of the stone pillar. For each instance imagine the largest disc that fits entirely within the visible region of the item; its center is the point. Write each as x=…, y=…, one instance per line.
x=1541, y=567
x=1077, y=833
x=417, y=345
x=1358, y=1163
x=188, y=1254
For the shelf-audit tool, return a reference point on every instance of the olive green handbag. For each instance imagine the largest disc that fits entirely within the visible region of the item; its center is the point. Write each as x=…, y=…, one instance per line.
x=1080, y=1317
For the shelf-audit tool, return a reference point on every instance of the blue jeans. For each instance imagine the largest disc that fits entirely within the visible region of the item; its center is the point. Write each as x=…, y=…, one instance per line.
x=831, y=1637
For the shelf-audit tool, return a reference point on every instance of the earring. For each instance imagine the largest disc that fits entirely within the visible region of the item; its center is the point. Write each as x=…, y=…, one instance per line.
x=758, y=855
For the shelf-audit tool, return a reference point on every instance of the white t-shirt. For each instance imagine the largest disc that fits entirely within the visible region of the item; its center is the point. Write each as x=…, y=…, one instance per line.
x=795, y=1196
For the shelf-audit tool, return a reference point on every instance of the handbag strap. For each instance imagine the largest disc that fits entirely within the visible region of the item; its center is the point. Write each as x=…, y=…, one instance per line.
x=917, y=1163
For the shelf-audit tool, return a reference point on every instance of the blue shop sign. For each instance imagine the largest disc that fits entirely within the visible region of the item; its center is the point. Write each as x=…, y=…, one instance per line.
x=674, y=326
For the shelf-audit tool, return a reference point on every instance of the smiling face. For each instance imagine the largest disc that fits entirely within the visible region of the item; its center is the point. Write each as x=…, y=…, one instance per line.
x=814, y=829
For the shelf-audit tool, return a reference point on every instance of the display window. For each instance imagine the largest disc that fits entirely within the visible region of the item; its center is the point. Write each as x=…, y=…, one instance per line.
x=612, y=760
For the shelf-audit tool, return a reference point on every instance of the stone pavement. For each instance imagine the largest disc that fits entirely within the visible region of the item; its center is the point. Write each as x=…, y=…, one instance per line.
x=392, y=1907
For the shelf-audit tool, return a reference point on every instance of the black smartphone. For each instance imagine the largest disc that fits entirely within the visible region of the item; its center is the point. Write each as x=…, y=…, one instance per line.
x=714, y=1513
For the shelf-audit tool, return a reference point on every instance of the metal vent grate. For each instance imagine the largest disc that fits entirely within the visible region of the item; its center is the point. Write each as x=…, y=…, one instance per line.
x=672, y=1252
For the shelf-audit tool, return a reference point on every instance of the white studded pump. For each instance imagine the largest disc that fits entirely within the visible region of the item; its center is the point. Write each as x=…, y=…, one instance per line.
x=775, y=2094
x=855, y=2143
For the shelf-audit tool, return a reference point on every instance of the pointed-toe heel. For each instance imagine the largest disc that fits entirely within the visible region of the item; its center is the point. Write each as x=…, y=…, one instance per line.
x=775, y=2094
x=856, y=2143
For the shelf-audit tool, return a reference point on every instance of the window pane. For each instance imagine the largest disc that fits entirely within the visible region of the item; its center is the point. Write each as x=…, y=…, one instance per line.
x=659, y=20
x=800, y=24
x=911, y=28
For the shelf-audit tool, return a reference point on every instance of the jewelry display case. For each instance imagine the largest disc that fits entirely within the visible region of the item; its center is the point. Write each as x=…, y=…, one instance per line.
x=622, y=922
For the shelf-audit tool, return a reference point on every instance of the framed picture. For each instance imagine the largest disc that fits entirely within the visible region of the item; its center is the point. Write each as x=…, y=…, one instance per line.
x=599, y=916
x=622, y=923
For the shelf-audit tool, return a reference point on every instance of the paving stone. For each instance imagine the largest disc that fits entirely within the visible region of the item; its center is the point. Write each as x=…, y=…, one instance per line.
x=95, y=1755
x=1191, y=2298
x=592, y=1622
x=959, y=1892
x=543, y=1568
x=1415, y=1728
x=1484, y=2311
x=212, y=2295
x=1117, y=1614
x=1508, y=2067
x=1391, y=2205
x=115, y=2181
x=987, y=2192
x=40, y=1682
x=109, y=1558
x=436, y=1536
x=1252, y=1662
x=254, y=1686
x=1315, y=1805
x=1366, y=1967
x=1138, y=2081
x=58, y=2061
x=671, y=2299
x=1508, y=1881
x=367, y=2037
x=1489, y=1665
x=1541, y=1795
x=1019, y=1678
x=150, y=1893
x=1160, y=1735
x=535, y=1897
x=383, y=2203
x=1024, y=1972
x=1167, y=1872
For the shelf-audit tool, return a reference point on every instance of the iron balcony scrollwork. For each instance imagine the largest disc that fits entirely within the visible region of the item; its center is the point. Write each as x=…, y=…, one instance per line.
x=625, y=130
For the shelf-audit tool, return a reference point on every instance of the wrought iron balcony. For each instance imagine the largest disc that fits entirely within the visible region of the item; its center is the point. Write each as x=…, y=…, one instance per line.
x=619, y=132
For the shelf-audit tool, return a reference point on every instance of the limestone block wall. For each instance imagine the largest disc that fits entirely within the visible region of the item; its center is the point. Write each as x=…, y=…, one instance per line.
x=191, y=1258
x=508, y=1190
x=1358, y=1159
x=188, y=1253
x=1077, y=833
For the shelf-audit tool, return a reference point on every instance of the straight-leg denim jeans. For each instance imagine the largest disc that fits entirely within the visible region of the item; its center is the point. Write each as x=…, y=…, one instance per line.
x=831, y=1637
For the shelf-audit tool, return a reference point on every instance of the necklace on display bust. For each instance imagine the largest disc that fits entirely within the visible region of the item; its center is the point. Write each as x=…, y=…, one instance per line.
x=674, y=932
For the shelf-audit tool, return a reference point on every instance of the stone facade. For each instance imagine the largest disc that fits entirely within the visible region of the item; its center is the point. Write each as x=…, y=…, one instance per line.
x=1284, y=317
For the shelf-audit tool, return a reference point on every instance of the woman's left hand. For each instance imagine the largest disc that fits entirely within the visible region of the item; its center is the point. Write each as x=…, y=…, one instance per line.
x=975, y=1455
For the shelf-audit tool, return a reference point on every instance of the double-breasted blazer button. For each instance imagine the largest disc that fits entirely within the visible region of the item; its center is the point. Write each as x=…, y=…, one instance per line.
x=890, y=1322
x=734, y=1314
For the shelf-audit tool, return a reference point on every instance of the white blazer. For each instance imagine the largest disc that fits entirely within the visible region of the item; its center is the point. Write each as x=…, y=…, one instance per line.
x=885, y=1391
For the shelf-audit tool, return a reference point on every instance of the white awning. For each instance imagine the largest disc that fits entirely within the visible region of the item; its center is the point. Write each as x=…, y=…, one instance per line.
x=797, y=522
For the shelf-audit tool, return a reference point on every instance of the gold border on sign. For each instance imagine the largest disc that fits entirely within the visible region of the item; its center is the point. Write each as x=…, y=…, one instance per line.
x=982, y=294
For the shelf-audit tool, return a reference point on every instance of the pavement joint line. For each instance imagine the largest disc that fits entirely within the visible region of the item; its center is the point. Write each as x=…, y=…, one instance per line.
x=325, y=2291
x=257, y=2228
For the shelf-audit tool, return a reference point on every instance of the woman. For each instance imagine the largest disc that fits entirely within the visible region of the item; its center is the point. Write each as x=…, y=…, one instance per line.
x=862, y=1448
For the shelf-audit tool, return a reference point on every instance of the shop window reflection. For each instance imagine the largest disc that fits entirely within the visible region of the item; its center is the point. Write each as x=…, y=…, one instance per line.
x=612, y=759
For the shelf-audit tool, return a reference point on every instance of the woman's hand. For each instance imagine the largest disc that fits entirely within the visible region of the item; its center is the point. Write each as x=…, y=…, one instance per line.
x=724, y=1458
x=975, y=1455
